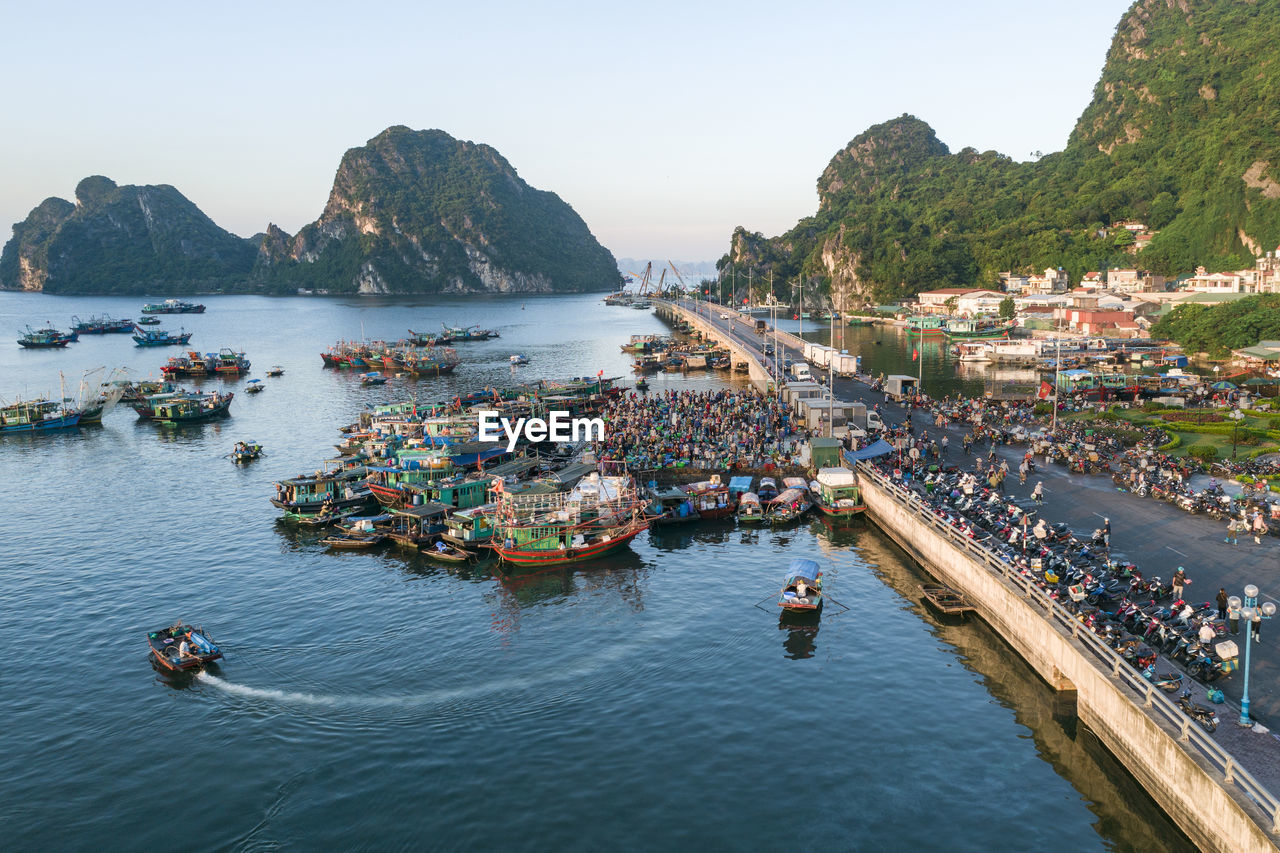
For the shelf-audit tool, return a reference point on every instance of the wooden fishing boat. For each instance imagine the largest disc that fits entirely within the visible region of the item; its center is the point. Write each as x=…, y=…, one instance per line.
x=417, y=526
x=927, y=327
x=325, y=519
x=182, y=647
x=801, y=593
x=324, y=492
x=448, y=553
x=45, y=339
x=254, y=386
x=37, y=416
x=768, y=489
x=669, y=505
x=276, y=370
x=353, y=541
x=600, y=515
x=160, y=337
x=245, y=452
x=147, y=321
x=788, y=506
x=189, y=408
x=372, y=378
x=103, y=325
x=470, y=528
x=710, y=498
x=945, y=599
x=750, y=510
x=642, y=384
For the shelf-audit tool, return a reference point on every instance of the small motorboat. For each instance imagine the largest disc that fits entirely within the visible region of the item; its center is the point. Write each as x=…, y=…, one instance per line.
x=182, y=647
x=642, y=384
x=750, y=511
x=147, y=321
x=372, y=378
x=519, y=359
x=324, y=519
x=801, y=593
x=449, y=553
x=353, y=541
x=276, y=370
x=245, y=451
x=254, y=386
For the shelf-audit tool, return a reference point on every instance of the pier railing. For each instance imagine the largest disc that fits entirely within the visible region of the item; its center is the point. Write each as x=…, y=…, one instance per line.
x=1153, y=699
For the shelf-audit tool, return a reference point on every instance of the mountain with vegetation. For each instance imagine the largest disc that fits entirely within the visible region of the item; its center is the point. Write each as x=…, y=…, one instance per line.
x=122, y=239
x=410, y=212
x=1182, y=135
x=422, y=212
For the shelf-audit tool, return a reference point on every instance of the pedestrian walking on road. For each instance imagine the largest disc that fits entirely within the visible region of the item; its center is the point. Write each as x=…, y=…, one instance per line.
x=1259, y=527
x=1232, y=532
x=944, y=445
x=1037, y=494
x=1106, y=533
x=1179, y=582
x=1022, y=472
x=1222, y=602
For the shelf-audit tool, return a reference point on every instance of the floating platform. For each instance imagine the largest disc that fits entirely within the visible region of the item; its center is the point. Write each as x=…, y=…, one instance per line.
x=946, y=599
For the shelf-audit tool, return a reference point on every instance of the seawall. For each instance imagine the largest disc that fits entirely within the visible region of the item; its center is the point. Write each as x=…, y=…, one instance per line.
x=1216, y=803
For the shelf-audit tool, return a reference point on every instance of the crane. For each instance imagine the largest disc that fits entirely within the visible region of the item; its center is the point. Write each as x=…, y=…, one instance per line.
x=684, y=288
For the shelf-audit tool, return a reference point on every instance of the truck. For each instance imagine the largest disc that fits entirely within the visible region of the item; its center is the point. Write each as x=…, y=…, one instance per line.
x=862, y=420
x=822, y=356
x=761, y=326
x=794, y=392
x=800, y=372
x=843, y=364
x=899, y=387
x=808, y=350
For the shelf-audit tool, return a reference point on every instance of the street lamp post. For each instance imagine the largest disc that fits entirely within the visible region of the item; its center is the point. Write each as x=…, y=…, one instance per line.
x=1246, y=611
x=1236, y=416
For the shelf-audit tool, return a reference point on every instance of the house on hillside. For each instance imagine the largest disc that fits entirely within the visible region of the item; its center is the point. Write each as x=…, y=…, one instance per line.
x=1133, y=280
x=1052, y=281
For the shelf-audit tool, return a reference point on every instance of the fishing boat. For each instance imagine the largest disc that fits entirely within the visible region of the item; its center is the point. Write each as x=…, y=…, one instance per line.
x=455, y=334
x=353, y=541
x=324, y=492
x=254, y=386
x=710, y=498
x=470, y=528
x=928, y=327
x=172, y=306
x=37, y=416
x=859, y=321
x=190, y=409
x=788, y=506
x=147, y=321
x=246, y=451
x=160, y=337
x=600, y=515
x=182, y=647
x=448, y=552
x=768, y=489
x=519, y=359
x=180, y=366
x=975, y=329
x=325, y=519
x=45, y=338
x=835, y=493
x=642, y=384
x=372, y=378
x=670, y=505
x=103, y=325
x=418, y=525
x=801, y=593
x=276, y=370
x=750, y=511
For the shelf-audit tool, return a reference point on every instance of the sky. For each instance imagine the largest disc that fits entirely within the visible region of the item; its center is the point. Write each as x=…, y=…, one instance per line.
x=664, y=124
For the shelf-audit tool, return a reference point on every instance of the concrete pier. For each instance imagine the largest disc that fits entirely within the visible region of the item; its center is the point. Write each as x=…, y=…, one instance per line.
x=1213, y=800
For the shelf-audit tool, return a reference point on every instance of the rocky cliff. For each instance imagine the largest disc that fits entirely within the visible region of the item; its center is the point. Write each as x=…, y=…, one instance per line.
x=122, y=239
x=1182, y=135
x=422, y=212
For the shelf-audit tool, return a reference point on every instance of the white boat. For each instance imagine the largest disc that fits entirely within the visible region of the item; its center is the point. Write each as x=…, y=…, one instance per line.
x=974, y=351
x=519, y=359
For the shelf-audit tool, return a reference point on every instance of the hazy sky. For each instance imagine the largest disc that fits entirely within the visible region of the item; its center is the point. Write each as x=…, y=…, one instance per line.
x=664, y=124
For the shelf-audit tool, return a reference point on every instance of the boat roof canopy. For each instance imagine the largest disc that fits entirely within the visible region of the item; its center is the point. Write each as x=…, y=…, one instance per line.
x=802, y=568
x=426, y=510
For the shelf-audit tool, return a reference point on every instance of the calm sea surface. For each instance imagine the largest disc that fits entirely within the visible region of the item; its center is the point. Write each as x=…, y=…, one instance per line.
x=380, y=700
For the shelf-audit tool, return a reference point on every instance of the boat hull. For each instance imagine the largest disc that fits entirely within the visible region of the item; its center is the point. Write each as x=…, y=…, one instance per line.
x=539, y=559
x=62, y=422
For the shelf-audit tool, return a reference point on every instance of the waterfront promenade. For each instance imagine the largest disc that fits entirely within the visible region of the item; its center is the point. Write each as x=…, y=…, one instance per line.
x=1155, y=535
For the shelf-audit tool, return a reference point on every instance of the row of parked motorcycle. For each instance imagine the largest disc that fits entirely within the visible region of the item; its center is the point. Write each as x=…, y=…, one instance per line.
x=1133, y=613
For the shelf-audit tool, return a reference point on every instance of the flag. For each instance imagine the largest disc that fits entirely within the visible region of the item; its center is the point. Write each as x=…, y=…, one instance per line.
x=1045, y=390
x=915, y=353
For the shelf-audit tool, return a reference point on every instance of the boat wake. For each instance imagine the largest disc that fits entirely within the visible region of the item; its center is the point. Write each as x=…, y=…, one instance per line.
x=578, y=676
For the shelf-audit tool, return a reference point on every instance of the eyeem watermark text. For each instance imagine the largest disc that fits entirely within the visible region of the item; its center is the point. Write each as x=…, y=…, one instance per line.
x=559, y=426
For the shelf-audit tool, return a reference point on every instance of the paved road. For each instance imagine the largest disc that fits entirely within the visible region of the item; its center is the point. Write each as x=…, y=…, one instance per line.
x=1155, y=535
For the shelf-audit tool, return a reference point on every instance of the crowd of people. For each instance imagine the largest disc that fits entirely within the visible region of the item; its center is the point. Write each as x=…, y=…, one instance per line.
x=725, y=429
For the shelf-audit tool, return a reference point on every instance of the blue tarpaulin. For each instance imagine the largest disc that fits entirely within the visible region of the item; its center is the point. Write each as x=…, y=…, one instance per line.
x=880, y=448
x=803, y=568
